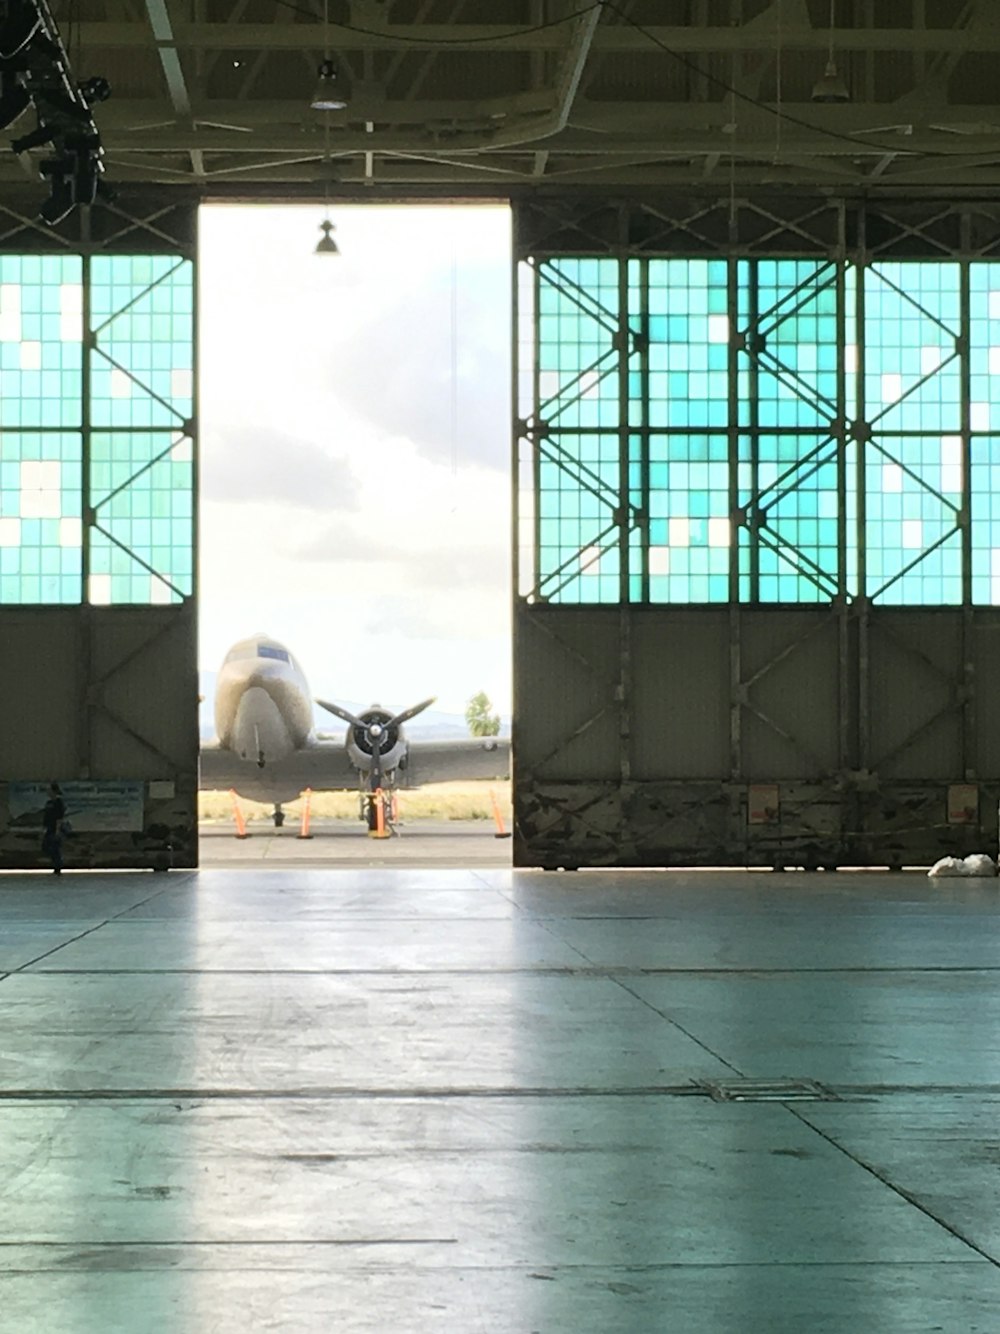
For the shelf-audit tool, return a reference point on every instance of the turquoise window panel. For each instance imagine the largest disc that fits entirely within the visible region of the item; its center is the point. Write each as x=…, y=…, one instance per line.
x=41, y=341
x=913, y=497
x=689, y=530
x=527, y=346
x=143, y=539
x=788, y=332
x=41, y=529
x=777, y=572
x=680, y=305
x=142, y=311
x=578, y=531
x=141, y=450
x=788, y=496
x=140, y=546
x=912, y=370
x=984, y=346
x=985, y=520
x=831, y=414
x=577, y=324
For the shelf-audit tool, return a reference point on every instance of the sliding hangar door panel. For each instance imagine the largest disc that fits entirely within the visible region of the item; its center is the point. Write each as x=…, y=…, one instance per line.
x=98, y=477
x=757, y=558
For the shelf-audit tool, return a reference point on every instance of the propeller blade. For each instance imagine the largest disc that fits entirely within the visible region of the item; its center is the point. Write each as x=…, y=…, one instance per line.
x=340, y=713
x=407, y=714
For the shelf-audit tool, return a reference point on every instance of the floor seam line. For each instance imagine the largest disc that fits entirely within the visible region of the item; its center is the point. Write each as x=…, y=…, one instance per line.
x=890, y=1185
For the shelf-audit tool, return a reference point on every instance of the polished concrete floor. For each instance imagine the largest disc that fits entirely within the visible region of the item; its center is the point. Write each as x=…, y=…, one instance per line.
x=482, y=1100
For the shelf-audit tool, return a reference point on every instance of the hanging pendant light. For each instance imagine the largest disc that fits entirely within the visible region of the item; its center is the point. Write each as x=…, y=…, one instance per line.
x=326, y=245
x=830, y=87
x=327, y=95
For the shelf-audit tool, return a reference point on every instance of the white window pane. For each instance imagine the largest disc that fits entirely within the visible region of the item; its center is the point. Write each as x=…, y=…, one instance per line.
x=913, y=534
x=100, y=590
x=892, y=388
x=70, y=533
x=31, y=356
x=892, y=477
x=719, y=533
x=680, y=532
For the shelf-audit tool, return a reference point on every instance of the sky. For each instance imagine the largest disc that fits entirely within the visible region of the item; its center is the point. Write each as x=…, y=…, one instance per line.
x=354, y=422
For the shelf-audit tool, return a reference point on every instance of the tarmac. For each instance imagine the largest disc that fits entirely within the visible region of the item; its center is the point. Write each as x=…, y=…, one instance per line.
x=333, y=843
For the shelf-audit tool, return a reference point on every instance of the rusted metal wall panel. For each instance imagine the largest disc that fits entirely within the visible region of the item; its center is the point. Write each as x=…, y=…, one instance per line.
x=916, y=693
x=102, y=694
x=679, y=718
x=649, y=699
x=788, y=692
x=565, y=711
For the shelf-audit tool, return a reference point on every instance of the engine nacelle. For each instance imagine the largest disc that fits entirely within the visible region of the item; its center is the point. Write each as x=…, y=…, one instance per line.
x=392, y=742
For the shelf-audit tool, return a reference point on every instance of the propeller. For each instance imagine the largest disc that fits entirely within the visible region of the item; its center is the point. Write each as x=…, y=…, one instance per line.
x=372, y=730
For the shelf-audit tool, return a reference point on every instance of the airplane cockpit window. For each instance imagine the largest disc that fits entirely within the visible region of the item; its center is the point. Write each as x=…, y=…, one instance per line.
x=252, y=651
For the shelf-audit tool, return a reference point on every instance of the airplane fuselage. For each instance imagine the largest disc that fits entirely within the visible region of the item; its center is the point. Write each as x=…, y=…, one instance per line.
x=263, y=710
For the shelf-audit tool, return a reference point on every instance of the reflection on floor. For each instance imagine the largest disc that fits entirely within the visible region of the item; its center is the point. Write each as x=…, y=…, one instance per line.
x=469, y=1101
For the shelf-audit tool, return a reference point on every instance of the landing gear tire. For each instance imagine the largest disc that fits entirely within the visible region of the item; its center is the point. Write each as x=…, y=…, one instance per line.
x=279, y=817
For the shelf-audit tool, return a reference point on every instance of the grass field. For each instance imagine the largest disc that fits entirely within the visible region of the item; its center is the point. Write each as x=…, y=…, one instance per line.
x=437, y=801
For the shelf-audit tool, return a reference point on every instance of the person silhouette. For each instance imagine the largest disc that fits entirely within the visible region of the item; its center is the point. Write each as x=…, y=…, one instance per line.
x=52, y=818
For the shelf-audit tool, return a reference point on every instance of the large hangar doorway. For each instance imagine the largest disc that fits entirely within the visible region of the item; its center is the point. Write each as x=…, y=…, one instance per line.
x=355, y=494
x=355, y=507
x=98, y=540
x=758, y=559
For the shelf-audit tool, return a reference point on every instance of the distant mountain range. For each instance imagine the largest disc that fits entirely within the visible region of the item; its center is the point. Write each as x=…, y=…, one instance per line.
x=433, y=724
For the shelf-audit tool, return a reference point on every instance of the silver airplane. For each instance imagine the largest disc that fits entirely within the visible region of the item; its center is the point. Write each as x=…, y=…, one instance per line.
x=268, y=750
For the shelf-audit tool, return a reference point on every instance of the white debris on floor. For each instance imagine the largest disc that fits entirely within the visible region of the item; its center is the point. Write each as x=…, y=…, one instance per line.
x=976, y=864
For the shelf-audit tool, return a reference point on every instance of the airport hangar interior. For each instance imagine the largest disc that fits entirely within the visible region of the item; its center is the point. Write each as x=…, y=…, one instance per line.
x=756, y=559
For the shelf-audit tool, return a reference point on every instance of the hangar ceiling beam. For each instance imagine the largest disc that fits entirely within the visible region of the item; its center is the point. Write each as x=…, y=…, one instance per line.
x=159, y=21
x=628, y=118
x=695, y=143
x=980, y=35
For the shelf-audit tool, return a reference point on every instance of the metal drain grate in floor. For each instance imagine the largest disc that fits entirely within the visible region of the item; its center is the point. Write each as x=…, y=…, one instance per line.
x=766, y=1090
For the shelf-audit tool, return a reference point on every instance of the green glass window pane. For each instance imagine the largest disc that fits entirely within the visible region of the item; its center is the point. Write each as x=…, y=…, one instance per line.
x=985, y=520
x=912, y=370
x=913, y=491
x=41, y=535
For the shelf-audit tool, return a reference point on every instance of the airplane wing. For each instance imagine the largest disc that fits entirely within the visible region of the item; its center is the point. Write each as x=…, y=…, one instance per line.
x=323, y=767
x=454, y=761
x=326, y=767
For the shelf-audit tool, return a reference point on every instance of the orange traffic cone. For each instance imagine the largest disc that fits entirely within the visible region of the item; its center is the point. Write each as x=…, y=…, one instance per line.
x=306, y=811
x=502, y=831
x=241, y=824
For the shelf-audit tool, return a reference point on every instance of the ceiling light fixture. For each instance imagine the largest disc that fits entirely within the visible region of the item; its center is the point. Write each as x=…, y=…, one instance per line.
x=830, y=87
x=327, y=96
x=326, y=245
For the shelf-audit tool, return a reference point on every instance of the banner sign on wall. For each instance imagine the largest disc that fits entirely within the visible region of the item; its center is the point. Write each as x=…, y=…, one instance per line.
x=91, y=807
